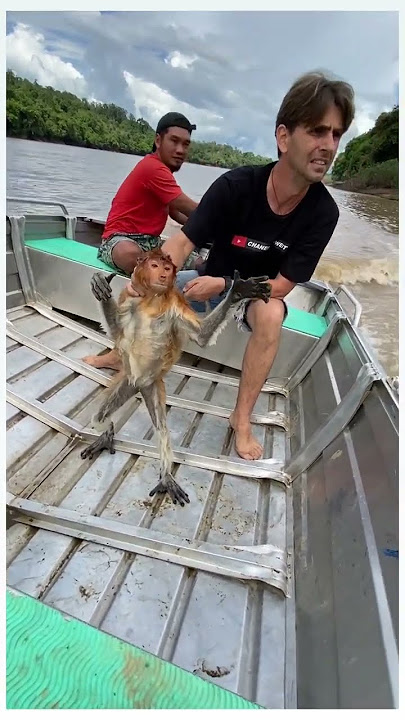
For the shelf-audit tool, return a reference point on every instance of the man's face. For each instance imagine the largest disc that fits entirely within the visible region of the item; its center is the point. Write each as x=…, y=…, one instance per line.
x=172, y=147
x=310, y=150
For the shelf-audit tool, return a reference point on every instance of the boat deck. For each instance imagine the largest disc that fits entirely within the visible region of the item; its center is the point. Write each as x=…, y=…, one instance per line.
x=205, y=612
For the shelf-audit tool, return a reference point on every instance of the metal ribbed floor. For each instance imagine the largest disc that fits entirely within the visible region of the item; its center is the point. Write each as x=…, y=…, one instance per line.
x=233, y=632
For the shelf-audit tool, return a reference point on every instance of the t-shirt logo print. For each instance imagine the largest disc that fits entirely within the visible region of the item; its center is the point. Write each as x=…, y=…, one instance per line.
x=239, y=241
x=280, y=245
x=245, y=242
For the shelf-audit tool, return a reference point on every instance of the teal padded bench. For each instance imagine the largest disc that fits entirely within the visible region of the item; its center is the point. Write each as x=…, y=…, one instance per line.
x=297, y=320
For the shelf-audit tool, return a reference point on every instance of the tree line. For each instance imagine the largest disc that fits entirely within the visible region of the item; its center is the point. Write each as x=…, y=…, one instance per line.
x=42, y=113
x=371, y=159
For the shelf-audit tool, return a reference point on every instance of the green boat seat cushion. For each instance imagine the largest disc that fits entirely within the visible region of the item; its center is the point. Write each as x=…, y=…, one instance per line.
x=297, y=320
x=70, y=250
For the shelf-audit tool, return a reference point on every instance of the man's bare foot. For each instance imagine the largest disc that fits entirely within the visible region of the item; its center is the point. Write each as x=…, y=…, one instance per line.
x=246, y=445
x=110, y=360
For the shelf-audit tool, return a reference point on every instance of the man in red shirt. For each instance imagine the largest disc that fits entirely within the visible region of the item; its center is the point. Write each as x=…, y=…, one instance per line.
x=146, y=198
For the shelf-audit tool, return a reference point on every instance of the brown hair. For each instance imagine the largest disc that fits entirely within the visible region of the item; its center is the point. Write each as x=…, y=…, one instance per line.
x=309, y=98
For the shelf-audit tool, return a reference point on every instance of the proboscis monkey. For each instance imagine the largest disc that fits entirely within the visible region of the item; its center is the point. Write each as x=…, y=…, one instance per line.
x=149, y=334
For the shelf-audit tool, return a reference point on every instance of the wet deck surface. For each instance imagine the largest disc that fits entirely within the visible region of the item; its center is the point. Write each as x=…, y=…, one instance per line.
x=227, y=631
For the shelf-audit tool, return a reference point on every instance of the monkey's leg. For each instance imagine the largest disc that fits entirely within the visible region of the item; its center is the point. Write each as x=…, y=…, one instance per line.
x=100, y=286
x=117, y=397
x=155, y=400
x=118, y=394
x=104, y=442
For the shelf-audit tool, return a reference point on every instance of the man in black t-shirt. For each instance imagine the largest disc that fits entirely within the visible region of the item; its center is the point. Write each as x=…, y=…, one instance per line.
x=274, y=220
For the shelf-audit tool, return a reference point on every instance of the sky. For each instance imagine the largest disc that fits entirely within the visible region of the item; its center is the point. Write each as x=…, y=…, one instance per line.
x=226, y=71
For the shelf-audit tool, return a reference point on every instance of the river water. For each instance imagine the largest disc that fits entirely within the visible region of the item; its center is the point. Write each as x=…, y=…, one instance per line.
x=362, y=254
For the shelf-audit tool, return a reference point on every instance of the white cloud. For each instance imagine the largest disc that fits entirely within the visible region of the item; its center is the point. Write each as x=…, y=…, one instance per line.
x=366, y=115
x=151, y=102
x=65, y=49
x=177, y=60
x=219, y=68
x=27, y=55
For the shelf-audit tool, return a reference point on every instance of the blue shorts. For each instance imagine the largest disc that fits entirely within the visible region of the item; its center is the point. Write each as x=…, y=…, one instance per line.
x=184, y=276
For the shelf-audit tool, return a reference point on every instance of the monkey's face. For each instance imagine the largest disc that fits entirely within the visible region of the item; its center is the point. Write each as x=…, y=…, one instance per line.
x=159, y=275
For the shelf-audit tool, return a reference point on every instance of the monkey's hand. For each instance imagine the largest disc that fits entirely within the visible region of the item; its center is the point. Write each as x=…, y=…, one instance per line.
x=100, y=286
x=255, y=288
x=104, y=442
x=169, y=485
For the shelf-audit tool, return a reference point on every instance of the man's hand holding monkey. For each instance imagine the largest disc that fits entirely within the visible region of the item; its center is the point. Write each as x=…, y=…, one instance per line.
x=203, y=287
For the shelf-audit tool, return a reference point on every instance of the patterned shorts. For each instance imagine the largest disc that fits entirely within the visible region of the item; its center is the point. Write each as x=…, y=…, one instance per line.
x=145, y=242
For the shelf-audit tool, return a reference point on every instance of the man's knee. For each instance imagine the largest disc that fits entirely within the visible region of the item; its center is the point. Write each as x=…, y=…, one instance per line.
x=184, y=276
x=125, y=255
x=266, y=319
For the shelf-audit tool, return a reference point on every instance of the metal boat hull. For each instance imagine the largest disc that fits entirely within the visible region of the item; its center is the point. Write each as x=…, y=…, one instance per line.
x=279, y=582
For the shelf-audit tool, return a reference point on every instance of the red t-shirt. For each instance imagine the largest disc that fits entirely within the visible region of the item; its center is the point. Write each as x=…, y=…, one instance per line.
x=141, y=203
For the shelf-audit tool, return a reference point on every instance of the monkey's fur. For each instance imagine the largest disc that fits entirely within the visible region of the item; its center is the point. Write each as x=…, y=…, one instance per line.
x=149, y=334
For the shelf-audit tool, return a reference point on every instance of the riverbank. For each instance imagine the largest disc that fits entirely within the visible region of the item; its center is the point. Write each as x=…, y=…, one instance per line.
x=388, y=193
x=47, y=115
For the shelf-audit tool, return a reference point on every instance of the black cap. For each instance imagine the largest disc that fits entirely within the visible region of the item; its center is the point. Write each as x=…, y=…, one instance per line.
x=173, y=119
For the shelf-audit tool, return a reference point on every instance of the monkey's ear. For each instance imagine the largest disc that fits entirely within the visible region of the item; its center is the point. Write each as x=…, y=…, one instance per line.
x=140, y=259
x=169, y=258
x=236, y=276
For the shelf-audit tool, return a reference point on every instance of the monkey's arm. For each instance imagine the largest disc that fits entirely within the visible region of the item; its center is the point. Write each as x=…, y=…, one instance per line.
x=252, y=289
x=101, y=289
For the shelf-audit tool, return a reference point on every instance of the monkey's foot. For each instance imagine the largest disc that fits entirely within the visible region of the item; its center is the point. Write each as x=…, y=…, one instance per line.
x=169, y=485
x=100, y=286
x=104, y=442
x=255, y=288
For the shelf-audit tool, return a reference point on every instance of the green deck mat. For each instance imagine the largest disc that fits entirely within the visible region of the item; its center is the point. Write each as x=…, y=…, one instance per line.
x=298, y=320
x=58, y=662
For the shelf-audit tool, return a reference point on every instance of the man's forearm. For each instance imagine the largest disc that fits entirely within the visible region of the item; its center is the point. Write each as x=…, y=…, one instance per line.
x=178, y=216
x=183, y=204
x=179, y=247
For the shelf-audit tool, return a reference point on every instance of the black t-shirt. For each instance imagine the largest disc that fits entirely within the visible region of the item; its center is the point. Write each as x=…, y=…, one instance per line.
x=249, y=237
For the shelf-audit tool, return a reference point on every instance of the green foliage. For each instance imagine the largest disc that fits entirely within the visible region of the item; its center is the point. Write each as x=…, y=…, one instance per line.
x=372, y=157
x=383, y=175
x=42, y=113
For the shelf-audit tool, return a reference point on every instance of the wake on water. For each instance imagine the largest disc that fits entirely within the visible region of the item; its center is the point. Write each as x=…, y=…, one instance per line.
x=374, y=283
x=351, y=271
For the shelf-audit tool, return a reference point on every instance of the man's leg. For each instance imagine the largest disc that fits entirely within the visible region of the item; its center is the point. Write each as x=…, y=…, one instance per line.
x=182, y=278
x=121, y=253
x=265, y=321
x=125, y=255
x=110, y=360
